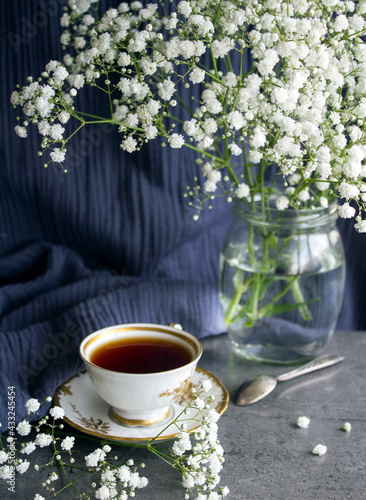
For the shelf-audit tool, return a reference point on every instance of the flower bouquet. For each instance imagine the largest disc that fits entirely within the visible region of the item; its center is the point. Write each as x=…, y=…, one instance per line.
x=285, y=133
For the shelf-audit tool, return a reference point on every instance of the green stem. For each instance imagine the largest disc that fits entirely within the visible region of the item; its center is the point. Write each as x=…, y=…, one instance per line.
x=277, y=297
x=247, y=174
x=205, y=153
x=251, y=245
x=299, y=297
x=113, y=122
x=217, y=12
x=90, y=116
x=233, y=304
x=163, y=456
x=231, y=172
x=255, y=296
x=110, y=100
x=75, y=132
x=167, y=427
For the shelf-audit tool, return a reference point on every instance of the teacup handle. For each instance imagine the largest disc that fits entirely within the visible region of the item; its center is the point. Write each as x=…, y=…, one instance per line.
x=177, y=326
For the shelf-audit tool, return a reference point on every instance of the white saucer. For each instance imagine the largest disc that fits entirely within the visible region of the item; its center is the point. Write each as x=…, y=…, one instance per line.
x=87, y=412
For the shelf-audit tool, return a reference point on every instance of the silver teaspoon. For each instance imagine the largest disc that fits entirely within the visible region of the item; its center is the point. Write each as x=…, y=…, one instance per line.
x=258, y=387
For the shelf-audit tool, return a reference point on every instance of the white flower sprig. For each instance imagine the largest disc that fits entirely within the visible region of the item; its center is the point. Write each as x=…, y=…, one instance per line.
x=301, y=107
x=197, y=457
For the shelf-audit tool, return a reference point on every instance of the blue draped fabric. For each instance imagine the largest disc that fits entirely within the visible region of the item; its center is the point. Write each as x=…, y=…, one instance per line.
x=112, y=241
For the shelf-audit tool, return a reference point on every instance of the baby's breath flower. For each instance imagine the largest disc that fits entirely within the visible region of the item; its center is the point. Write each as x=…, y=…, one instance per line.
x=64, y=117
x=176, y=141
x=225, y=491
x=53, y=476
x=282, y=203
x=319, y=449
x=182, y=444
x=6, y=472
x=57, y=412
x=346, y=427
x=206, y=385
x=32, y=405
x=235, y=149
x=346, y=211
x=102, y=493
x=93, y=459
x=22, y=467
x=212, y=416
x=200, y=403
x=58, y=156
x=236, y=120
x=197, y=75
x=28, y=448
x=184, y=8
x=43, y=440
x=67, y=443
x=129, y=144
x=303, y=422
x=242, y=190
x=360, y=225
x=23, y=428
x=21, y=131
x=56, y=132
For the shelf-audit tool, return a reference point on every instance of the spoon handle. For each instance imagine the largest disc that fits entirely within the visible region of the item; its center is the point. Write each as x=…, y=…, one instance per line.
x=315, y=364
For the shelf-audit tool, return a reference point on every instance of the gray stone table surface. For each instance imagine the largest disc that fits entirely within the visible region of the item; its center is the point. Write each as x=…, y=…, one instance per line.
x=267, y=457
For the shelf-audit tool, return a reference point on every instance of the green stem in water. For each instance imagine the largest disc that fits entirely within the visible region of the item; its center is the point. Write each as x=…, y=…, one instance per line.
x=299, y=297
x=233, y=304
x=251, y=245
x=255, y=296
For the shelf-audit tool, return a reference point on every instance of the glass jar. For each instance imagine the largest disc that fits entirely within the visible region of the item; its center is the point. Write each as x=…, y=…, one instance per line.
x=282, y=279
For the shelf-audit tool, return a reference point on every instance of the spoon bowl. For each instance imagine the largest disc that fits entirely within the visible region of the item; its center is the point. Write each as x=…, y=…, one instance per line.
x=256, y=388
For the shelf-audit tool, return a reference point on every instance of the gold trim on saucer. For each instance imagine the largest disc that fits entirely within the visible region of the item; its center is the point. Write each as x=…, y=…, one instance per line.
x=94, y=426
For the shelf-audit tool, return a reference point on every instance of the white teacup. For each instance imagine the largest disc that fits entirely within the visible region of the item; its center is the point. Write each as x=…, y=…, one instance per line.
x=141, y=399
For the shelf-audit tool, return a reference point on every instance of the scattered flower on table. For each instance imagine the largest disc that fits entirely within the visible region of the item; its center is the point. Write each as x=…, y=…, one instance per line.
x=319, y=449
x=303, y=422
x=346, y=427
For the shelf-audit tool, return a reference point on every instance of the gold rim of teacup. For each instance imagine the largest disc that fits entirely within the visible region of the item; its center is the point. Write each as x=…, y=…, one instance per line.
x=183, y=335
